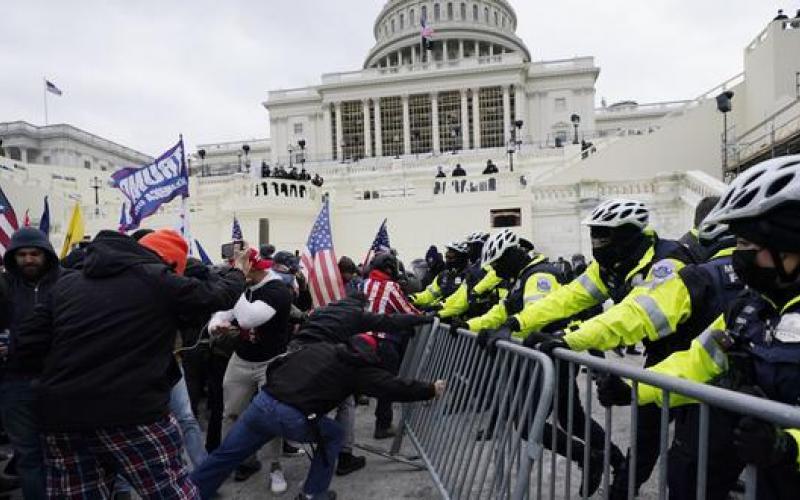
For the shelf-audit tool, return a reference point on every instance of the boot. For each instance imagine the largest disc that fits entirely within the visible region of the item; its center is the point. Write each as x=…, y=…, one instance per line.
x=348, y=463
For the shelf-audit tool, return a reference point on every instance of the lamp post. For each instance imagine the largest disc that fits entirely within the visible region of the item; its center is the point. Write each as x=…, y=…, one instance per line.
x=96, y=185
x=511, y=148
x=516, y=131
x=202, y=154
x=576, y=120
x=724, y=106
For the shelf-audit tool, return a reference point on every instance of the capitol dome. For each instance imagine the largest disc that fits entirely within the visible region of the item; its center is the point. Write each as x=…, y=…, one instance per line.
x=461, y=29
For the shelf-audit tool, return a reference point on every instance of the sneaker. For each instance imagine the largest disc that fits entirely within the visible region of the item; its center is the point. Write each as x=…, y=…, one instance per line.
x=348, y=463
x=292, y=451
x=277, y=483
x=384, y=432
x=245, y=470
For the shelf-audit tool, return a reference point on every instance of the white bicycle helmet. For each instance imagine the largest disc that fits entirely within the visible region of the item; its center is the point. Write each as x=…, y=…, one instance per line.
x=710, y=231
x=618, y=212
x=759, y=189
x=496, y=245
x=477, y=237
x=458, y=246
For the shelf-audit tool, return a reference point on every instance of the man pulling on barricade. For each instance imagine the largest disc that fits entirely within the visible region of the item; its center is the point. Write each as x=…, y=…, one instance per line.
x=755, y=346
x=337, y=323
x=532, y=278
x=447, y=281
x=627, y=254
x=481, y=289
x=302, y=386
x=668, y=311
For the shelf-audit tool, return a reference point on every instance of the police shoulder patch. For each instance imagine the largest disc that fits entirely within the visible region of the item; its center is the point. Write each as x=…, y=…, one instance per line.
x=543, y=285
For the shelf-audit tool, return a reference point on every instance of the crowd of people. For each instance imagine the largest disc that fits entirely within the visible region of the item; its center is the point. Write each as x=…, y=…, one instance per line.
x=113, y=352
x=292, y=174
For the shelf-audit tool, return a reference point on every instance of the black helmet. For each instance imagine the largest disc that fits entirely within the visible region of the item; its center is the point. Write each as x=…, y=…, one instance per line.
x=387, y=263
x=285, y=262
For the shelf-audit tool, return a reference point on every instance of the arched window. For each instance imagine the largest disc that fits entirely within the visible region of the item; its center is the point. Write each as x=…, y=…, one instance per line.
x=424, y=13
x=450, y=11
x=437, y=14
x=392, y=25
x=403, y=22
x=411, y=20
x=486, y=15
x=463, y=12
x=475, y=13
x=496, y=19
x=504, y=21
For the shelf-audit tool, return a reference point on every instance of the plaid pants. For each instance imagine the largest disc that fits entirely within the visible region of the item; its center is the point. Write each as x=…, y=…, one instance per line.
x=83, y=465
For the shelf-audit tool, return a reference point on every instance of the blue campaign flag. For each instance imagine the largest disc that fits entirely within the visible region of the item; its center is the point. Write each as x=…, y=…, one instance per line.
x=202, y=253
x=148, y=187
x=236, y=231
x=44, y=222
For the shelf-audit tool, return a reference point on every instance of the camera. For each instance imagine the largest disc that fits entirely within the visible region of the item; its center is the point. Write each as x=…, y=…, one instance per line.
x=229, y=249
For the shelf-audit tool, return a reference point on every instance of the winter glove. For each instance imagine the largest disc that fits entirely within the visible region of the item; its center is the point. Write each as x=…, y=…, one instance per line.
x=488, y=338
x=612, y=391
x=554, y=343
x=456, y=324
x=763, y=444
x=535, y=338
x=423, y=320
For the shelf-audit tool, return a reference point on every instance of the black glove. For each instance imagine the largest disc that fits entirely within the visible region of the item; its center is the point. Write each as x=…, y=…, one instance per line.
x=764, y=444
x=538, y=337
x=612, y=391
x=548, y=345
x=457, y=323
x=489, y=338
x=422, y=320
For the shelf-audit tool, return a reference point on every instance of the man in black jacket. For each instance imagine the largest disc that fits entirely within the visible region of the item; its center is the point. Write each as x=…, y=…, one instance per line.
x=101, y=345
x=32, y=269
x=302, y=386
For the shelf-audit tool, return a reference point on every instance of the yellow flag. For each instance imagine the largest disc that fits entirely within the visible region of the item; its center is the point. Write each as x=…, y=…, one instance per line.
x=75, y=230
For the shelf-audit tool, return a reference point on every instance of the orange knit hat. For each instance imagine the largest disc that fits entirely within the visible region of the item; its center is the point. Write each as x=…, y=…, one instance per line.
x=170, y=246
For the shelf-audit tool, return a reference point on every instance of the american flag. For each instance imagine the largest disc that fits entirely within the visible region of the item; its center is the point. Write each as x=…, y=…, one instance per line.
x=51, y=87
x=8, y=222
x=236, y=232
x=319, y=261
x=380, y=244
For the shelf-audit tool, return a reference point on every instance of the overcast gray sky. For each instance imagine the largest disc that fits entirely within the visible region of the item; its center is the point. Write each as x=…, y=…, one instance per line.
x=141, y=72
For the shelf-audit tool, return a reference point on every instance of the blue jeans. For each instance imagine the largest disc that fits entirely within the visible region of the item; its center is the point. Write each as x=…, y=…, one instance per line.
x=181, y=407
x=265, y=419
x=19, y=405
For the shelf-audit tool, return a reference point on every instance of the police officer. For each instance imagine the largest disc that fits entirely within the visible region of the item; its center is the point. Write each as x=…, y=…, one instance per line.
x=531, y=279
x=446, y=282
x=626, y=254
x=755, y=346
x=667, y=312
x=480, y=289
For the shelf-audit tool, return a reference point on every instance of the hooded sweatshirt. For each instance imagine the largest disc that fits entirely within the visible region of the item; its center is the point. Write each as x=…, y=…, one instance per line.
x=102, y=341
x=22, y=294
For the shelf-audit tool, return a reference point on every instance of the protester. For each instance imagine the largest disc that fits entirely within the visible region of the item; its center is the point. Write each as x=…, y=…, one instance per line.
x=260, y=322
x=302, y=386
x=350, y=275
x=490, y=169
x=32, y=270
x=440, y=172
x=111, y=394
x=459, y=171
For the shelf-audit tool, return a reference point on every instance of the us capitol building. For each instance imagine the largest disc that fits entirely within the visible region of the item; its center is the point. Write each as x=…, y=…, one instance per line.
x=378, y=135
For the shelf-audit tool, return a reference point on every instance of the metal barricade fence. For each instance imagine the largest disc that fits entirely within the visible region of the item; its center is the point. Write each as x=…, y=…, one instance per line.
x=476, y=441
x=708, y=398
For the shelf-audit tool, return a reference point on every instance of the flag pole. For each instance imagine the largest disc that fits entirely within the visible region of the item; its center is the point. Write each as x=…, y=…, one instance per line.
x=187, y=234
x=44, y=89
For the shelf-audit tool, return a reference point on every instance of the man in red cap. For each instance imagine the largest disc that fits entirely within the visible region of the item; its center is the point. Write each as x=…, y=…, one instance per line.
x=260, y=322
x=101, y=347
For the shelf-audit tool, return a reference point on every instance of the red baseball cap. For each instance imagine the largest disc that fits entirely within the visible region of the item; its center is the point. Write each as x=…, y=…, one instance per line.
x=256, y=262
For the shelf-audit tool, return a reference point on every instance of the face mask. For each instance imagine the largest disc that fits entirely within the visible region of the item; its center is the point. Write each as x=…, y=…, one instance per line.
x=760, y=279
x=606, y=256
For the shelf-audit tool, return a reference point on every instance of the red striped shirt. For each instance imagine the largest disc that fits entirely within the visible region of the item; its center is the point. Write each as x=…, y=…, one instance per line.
x=385, y=296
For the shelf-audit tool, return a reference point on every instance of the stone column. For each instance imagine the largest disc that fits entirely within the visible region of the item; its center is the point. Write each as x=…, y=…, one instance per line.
x=367, y=131
x=476, y=118
x=413, y=55
x=435, y=122
x=477, y=48
x=506, y=114
x=339, y=136
x=491, y=49
x=325, y=146
x=461, y=49
x=378, y=131
x=464, y=120
x=445, y=56
x=406, y=126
